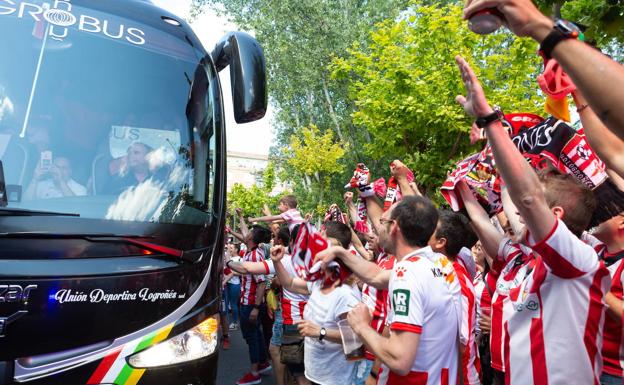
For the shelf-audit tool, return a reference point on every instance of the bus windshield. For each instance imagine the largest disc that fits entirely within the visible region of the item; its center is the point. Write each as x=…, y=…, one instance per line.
x=97, y=116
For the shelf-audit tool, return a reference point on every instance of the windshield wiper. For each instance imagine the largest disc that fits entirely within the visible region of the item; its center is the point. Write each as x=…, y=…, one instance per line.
x=7, y=211
x=130, y=239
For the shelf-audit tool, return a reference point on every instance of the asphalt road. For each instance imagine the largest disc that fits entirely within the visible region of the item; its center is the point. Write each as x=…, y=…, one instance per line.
x=234, y=363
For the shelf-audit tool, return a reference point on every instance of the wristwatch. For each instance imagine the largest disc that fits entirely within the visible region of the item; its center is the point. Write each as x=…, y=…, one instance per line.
x=322, y=334
x=562, y=30
x=484, y=121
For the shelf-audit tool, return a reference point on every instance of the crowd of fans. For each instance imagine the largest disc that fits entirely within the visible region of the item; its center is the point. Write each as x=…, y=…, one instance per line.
x=520, y=283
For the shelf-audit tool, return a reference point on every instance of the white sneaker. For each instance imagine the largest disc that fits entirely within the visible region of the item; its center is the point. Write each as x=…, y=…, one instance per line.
x=233, y=326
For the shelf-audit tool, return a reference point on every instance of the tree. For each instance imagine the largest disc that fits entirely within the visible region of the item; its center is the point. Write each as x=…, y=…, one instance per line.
x=300, y=39
x=313, y=158
x=404, y=82
x=603, y=18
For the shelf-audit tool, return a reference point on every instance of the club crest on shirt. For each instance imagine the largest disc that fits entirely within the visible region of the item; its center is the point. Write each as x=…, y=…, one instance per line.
x=400, y=272
x=400, y=301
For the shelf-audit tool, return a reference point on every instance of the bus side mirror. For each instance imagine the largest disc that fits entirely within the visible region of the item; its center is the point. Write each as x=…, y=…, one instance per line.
x=247, y=74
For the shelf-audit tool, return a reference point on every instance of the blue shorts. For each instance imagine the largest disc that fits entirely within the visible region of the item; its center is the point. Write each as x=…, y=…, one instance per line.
x=276, y=338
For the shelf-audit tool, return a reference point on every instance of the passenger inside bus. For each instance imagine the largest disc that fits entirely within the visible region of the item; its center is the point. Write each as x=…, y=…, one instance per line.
x=134, y=168
x=54, y=181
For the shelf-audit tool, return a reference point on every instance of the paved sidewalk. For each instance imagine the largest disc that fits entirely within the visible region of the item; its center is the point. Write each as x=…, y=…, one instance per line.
x=233, y=363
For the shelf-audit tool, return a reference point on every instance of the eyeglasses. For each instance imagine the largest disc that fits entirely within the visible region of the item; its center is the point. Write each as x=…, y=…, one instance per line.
x=384, y=221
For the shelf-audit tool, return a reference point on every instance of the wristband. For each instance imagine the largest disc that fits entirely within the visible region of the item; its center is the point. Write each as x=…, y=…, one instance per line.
x=373, y=374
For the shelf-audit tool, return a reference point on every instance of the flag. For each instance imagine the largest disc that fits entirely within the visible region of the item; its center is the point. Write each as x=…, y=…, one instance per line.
x=308, y=244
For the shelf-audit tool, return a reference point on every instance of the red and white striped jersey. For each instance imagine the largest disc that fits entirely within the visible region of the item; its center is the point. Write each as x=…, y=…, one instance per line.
x=421, y=302
x=552, y=309
x=471, y=366
x=613, y=345
x=249, y=282
x=377, y=300
x=613, y=341
x=292, y=218
x=483, y=300
x=293, y=304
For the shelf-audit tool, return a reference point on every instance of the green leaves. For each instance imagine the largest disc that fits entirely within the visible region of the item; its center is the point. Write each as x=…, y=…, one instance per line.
x=404, y=84
x=604, y=19
x=315, y=152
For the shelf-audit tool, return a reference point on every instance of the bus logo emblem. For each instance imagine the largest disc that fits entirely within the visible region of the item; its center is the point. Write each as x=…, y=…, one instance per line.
x=59, y=17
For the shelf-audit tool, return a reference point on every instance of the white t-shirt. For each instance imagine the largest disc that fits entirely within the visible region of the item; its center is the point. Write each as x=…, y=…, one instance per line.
x=421, y=302
x=235, y=280
x=46, y=189
x=325, y=361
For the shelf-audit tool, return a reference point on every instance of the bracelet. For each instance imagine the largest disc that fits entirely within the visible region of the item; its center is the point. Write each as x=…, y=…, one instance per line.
x=373, y=374
x=581, y=108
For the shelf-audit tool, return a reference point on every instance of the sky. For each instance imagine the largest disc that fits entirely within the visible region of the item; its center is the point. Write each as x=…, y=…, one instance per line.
x=255, y=137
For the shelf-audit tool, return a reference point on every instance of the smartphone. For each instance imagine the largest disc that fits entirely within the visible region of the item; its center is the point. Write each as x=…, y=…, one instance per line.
x=46, y=160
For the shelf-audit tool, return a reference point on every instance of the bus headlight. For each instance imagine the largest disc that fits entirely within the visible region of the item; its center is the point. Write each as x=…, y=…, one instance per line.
x=198, y=342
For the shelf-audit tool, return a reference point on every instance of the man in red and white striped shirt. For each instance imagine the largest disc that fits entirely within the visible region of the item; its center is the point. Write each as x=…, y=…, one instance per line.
x=252, y=302
x=552, y=289
x=377, y=302
x=608, y=241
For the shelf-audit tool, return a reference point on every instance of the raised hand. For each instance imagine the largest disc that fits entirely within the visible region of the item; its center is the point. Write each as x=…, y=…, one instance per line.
x=398, y=169
x=277, y=253
x=348, y=197
x=475, y=104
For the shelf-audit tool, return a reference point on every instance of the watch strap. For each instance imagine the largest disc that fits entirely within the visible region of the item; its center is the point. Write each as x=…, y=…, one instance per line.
x=550, y=42
x=322, y=334
x=484, y=121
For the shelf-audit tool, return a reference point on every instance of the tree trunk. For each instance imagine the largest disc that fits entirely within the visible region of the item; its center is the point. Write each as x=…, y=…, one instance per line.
x=297, y=119
x=310, y=100
x=460, y=135
x=332, y=113
x=556, y=10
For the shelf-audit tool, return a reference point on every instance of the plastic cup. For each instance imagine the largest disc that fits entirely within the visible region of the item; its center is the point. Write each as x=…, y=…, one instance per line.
x=351, y=344
x=485, y=21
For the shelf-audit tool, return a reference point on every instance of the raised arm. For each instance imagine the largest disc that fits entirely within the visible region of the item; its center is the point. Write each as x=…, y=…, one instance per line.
x=599, y=78
x=359, y=247
x=522, y=182
x=266, y=218
x=294, y=284
x=489, y=236
x=511, y=213
x=243, y=224
x=366, y=271
x=399, y=171
x=374, y=210
x=607, y=145
x=351, y=209
x=242, y=267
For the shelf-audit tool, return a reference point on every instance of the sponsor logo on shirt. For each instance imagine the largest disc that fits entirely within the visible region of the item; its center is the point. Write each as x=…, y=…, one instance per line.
x=400, y=301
